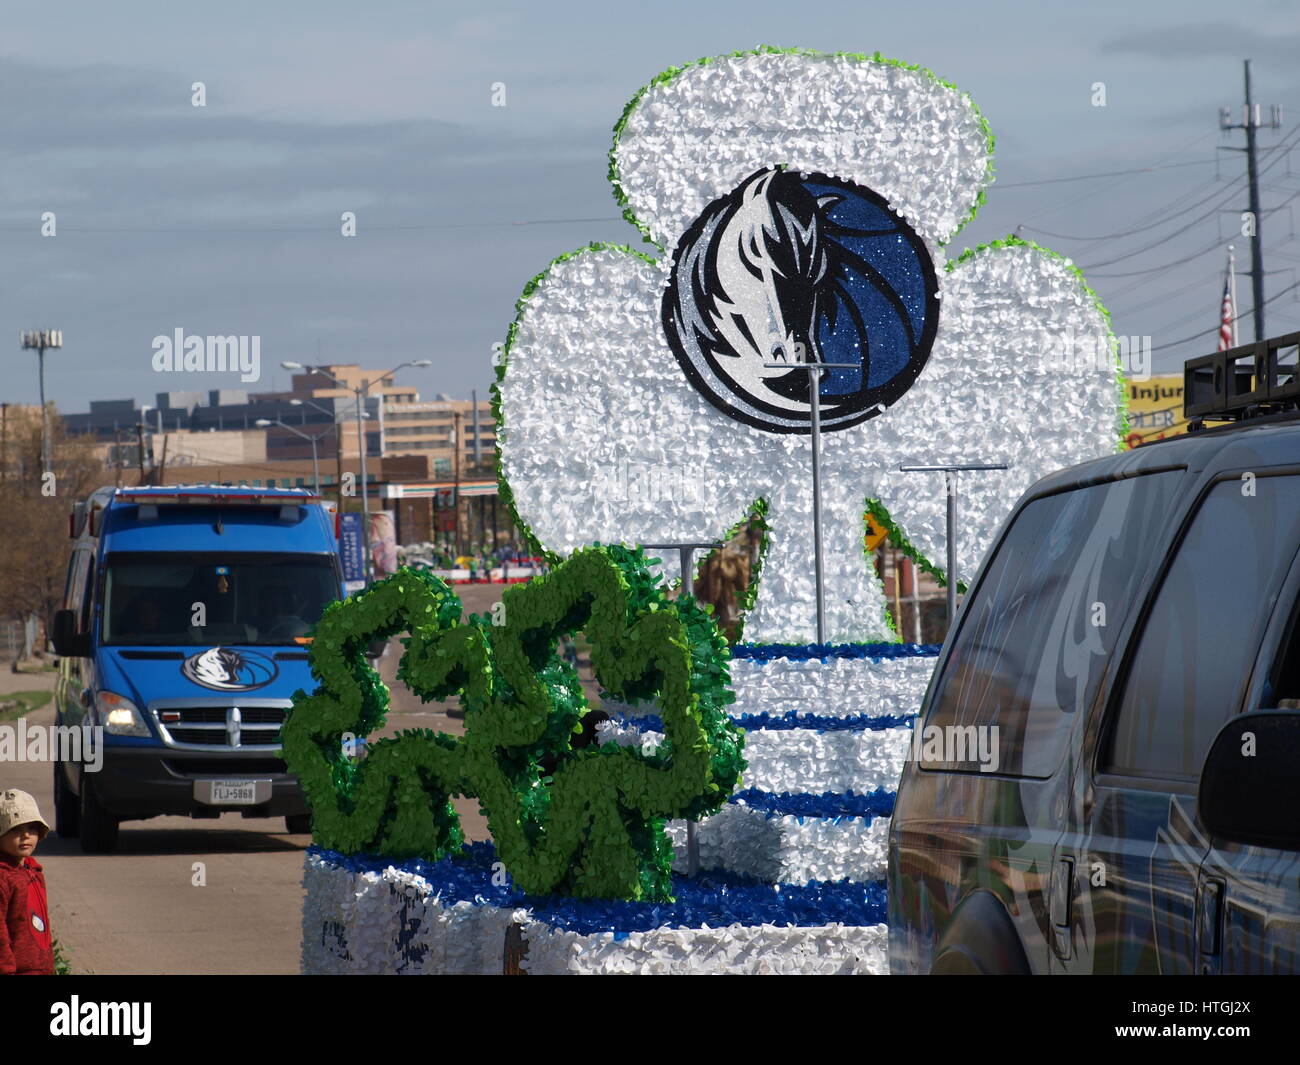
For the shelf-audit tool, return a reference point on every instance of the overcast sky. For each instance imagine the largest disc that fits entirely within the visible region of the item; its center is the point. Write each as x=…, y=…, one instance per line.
x=224, y=219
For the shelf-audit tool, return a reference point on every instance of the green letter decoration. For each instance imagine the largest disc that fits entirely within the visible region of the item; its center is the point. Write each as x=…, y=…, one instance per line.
x=584, y=822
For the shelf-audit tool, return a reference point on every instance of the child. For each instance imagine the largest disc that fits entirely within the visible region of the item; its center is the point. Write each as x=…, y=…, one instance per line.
x=26, y=945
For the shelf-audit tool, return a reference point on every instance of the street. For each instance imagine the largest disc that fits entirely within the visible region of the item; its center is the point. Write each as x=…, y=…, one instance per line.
x=182, y=896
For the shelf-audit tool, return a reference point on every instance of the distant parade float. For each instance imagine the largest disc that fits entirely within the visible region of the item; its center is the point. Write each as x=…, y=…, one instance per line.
x=798, y=295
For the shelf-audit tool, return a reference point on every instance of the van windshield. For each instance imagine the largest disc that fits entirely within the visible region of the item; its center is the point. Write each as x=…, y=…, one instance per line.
x=157, y=599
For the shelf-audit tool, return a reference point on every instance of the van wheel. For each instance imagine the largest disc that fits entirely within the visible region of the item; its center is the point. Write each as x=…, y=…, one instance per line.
x=298, y=824
x=67, y=807
x=98, y=826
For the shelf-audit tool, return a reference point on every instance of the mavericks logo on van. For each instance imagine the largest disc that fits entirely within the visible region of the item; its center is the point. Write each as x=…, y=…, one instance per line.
x=225, y=670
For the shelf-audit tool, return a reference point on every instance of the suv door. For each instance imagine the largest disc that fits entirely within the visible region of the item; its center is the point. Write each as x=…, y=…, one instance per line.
x=973, y=840
x=1129, y=866
x=1250, y=895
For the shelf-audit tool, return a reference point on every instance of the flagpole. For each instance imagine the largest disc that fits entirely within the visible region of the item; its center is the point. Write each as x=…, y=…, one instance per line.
x=1232, y=292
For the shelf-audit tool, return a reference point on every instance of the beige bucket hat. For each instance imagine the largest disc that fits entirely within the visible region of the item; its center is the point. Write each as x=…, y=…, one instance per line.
x=19, y=808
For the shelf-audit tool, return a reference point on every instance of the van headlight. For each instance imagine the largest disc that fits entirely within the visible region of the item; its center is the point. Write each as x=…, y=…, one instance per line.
x=119, y=715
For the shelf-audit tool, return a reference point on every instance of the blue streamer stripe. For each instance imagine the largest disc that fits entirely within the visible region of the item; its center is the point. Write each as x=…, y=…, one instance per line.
x=787, y=722
x=766, y=652
x=829, y=805
x=715, y=899
x=821, y=723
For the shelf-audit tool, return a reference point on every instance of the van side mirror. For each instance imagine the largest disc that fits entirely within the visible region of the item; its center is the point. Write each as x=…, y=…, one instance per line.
x=64, y=636
x=1250, y=783
x=375, y=648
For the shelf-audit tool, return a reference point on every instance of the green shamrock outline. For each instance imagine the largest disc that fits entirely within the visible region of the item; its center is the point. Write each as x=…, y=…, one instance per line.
x=593, y=826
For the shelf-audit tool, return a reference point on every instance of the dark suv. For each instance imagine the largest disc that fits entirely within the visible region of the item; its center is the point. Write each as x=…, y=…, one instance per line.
x=1131, y=651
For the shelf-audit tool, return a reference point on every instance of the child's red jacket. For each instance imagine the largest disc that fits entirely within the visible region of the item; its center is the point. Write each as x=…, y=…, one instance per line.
x=26, y=946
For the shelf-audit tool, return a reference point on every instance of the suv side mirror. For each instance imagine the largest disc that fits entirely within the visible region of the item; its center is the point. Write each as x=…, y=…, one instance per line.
x=67, y=643
x=375, y=648
x=1250, y=783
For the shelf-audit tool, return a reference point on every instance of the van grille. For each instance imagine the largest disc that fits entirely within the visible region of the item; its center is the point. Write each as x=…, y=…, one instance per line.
x=223, y=727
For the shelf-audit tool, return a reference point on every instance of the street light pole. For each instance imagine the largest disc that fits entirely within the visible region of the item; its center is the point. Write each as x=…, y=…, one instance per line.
x=338, y=442
x=39, y=340
x=359, y=392
x=315, y=467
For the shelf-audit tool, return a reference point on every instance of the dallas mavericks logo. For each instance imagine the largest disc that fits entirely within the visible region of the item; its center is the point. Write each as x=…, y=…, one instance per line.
x=796, y=269
x=225, y=670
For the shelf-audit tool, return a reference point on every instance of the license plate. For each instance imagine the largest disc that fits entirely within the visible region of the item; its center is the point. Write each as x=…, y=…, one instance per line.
x=232, y=792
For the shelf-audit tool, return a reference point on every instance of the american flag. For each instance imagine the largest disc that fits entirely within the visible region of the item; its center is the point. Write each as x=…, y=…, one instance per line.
x=1227, y=314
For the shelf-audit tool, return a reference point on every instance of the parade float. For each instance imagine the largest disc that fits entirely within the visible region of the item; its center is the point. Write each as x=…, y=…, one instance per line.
x=796, y=342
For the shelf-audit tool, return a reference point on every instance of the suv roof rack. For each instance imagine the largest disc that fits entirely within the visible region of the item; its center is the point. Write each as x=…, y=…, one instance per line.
x=1246, y=382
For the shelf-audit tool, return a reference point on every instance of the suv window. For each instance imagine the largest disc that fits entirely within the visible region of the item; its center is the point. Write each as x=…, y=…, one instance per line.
x=1202, y=635
x=1040, y=627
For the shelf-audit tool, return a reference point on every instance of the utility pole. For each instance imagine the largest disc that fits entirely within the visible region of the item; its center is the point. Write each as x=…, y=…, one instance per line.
x=478, y=454
x=139, y=443
x=1252, y=228
x=455, y=443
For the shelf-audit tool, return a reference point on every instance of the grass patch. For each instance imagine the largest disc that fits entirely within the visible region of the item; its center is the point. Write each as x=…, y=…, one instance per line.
x=62, y=966
x=16, y=704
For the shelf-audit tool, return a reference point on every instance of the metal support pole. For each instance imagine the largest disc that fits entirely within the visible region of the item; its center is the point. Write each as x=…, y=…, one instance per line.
x=815, y=387
x=815, y=370
x=950, y=472
x=39, y=341
x=686, y=556
x=45, y=415
x=950, y=484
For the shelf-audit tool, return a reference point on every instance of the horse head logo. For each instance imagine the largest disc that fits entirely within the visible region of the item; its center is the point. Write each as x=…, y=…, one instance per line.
x=793, y=269
x=225, y=669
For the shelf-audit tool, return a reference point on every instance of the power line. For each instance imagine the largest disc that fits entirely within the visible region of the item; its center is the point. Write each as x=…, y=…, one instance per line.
x=1216, y=243
x=1109, y=173
x=1104, y=185
x=1199, y=218
x=1204, y=279
x=1215, y=328
x=1175, y=209
x=1165, y=214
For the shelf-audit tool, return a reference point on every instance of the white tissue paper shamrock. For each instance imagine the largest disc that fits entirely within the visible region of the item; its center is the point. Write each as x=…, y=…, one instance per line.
x=800, y=203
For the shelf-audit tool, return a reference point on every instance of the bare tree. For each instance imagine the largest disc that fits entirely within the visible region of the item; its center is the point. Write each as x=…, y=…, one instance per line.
x=34, y=509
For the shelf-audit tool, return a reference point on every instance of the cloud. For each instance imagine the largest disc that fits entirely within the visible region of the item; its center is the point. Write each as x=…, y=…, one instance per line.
x=1205, y=39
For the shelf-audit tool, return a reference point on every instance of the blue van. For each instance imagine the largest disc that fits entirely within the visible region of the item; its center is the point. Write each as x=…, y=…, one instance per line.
x=183, y=635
